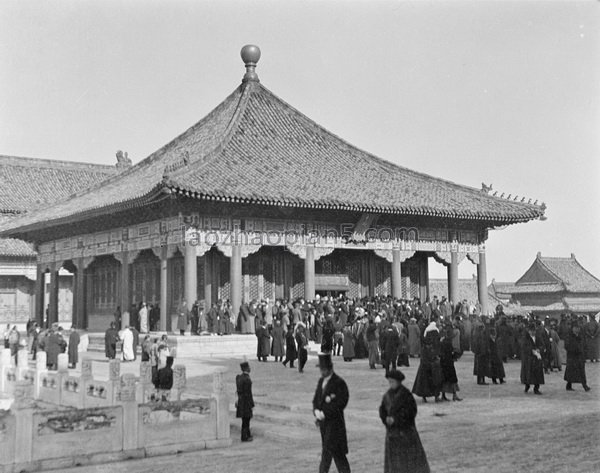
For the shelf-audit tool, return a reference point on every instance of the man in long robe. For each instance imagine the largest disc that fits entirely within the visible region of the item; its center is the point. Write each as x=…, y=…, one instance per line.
x=73, y=347
x=111, y=337
x=126, y=335
x=245, y=401
x=404, y=452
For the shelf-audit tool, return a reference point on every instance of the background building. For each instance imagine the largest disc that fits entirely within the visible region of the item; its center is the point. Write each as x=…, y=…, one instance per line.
x=552, y=286
x=29, y=184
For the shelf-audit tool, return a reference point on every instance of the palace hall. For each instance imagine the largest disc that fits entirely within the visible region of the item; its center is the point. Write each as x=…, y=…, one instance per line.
x=258, y=201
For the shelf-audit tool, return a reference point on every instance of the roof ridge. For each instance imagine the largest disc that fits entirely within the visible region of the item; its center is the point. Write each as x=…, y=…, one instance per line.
x=50, y=163
x=246, y=90
x=565, y=258
x=324, y=131
x=551, y=273
x=583, y=269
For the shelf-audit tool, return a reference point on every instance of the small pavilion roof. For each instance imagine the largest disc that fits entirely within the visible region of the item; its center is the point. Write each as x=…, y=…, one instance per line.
x=255, y=148
x=551, y=274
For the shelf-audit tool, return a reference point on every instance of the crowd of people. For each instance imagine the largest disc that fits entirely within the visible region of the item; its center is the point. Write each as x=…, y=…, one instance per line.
x=390, y=332
x=52, y=340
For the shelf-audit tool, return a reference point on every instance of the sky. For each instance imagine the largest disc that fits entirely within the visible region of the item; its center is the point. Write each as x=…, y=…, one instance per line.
x=506, y=93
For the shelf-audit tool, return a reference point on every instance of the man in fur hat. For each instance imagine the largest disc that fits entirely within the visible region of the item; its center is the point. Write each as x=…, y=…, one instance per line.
x=329, y=402
x=404, y=452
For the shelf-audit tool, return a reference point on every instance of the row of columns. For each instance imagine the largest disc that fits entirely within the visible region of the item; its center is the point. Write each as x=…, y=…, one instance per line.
x=190, y=281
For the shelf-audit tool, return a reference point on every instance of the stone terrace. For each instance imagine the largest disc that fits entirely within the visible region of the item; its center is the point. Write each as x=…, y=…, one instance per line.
x=495, y=429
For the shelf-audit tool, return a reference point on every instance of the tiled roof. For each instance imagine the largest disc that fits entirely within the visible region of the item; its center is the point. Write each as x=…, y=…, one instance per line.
x=255, y=148
x=14, y=247
x=548, y=274
x=574, y=276
x=500, y=289
x=467, y=289
x=553, y=307
x=534, y=288
x=572, y=304
x=29, y=183
x=583, y=304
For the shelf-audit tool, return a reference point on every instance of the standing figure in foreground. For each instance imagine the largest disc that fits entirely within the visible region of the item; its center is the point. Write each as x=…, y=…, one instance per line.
x=480, y=345
x=302, y=342
x=532, y=367
x=278, y=344
x=329, y=402
x=111, y=336
x=575, y=347
x=496, y=366
x=448, y=355
x=291, y=353
x=428, y=381
x=245, y=402
x=403, y=449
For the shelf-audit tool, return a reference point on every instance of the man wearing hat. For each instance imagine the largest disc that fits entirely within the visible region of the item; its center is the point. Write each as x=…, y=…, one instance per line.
x=532, y=369
x=245, y=402
x=403, y=449
x=329, y=402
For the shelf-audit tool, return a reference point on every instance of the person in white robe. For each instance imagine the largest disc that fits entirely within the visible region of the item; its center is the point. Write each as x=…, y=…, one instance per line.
x=143, y=315
x=126, y=335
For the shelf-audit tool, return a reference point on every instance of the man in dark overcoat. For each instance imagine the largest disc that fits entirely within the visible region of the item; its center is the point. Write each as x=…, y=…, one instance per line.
x=111, y=336
x=73, y=347
x=404, y=452
x=53, y=345
x=481, y=349
x=390, y=341
x=575, y=347
x=245, y=402
x=532, y=366
x=329, y=402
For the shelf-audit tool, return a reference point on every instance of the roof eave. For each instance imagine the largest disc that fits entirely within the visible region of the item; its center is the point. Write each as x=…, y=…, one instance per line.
x=417, y=211
x=156, y=194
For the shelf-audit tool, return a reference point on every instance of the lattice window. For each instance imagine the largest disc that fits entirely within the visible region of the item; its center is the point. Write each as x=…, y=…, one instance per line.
x=297, y=278
x=254, y=287
x=353, y=268
x=382, y=277
x=414, y=279
x=200, y=277
x=278, y=275
x=104, y=274
x=405, y=279
x=268, y=275
x=176, y=283
x=224, y=286
x=145, y=279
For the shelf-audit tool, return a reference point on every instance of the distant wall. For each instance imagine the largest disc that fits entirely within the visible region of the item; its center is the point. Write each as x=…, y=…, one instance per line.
x=16, y=299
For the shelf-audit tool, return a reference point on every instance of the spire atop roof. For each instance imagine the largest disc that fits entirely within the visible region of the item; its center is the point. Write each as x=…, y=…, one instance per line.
x=250, y=55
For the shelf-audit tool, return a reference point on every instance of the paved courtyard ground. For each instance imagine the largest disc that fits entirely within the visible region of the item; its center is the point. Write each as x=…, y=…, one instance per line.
x=496, y=428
